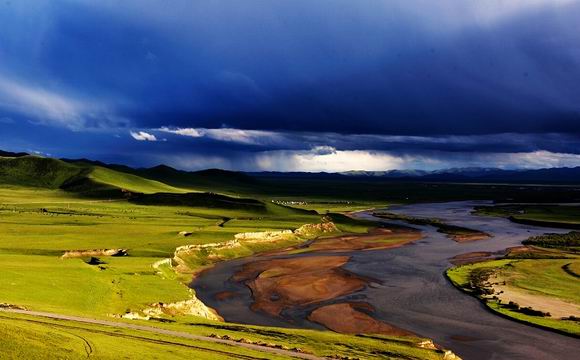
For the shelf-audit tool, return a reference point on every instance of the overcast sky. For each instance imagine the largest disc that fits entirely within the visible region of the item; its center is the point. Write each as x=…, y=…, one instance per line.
x=293, y=85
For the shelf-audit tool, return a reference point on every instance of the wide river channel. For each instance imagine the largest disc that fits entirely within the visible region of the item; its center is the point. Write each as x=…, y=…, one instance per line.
x=412, y=293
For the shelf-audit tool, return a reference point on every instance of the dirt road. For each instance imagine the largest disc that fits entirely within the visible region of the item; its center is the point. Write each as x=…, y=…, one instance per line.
x=155, y=330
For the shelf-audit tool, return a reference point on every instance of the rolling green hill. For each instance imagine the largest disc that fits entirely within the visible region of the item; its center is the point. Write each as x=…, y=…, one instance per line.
x=224, y=181
x=80, y=178
x=92, y=179
x=37, y=171
x=130, y=182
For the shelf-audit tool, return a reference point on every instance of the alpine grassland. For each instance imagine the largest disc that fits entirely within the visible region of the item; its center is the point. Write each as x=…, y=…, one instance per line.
x=80, y=239
x=538, y=291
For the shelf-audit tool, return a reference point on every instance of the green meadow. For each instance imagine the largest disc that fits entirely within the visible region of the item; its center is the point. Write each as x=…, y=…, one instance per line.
x=531, y=278
x=546, y=215
x=35, y=234
x=49, y=207
x=24, y=336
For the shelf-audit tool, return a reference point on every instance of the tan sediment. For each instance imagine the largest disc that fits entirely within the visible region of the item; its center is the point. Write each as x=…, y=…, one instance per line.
x=529, y=249
x=281, y=284
x=285, y=283
x=347, y=318
x=375, y=239
x=469, y=237
x=94, y=252
x=194, y=306
x=556, y=307
x=225, y=295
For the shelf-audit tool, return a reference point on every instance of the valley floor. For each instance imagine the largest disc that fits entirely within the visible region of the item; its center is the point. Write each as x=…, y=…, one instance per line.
x=39, y=226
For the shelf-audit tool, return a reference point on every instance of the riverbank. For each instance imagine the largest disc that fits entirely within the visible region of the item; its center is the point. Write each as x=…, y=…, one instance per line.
x=456, y=233
x=410, y=292
x=541, y=292
x=311, y=279
x=543, y=215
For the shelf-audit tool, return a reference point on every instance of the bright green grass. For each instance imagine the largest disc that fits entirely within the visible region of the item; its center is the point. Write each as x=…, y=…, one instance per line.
x=130, y=182
x=550, y=213
x=459, y=275
x=50, y=283
x=70, y=223
x=566, y=326
x=36, y=171
x=543, y=277
x=36, y=233
x=36, y=227
x=33, y=240
x=30, y=338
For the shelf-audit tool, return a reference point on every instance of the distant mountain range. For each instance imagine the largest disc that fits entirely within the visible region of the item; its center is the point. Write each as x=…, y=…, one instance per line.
x=207, y=178
x=456, y=175
x=476, y=175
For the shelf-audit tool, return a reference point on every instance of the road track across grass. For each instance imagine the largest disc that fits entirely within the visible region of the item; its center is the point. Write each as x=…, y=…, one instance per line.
x=179, y=334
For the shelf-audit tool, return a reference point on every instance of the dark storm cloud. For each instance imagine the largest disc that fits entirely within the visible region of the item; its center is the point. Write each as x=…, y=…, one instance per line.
x=260, y=140
x=447, y=80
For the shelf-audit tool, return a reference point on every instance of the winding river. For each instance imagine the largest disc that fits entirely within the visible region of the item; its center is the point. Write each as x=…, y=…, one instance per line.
x=412, y=292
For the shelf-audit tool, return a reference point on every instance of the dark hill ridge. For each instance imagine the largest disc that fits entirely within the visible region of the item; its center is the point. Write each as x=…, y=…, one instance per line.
x=12, y=154
x=206, y=200
x=95, y=179
x=75, y=175
x=481, y=175
x=204, y=179
x=99, y=180
x=198, y=180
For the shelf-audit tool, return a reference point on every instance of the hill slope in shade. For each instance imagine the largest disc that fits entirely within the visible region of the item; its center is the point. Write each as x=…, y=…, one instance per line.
x=37, y=171
x=203, y=180
x=87, y=179
x=11, y=154
x=82, y=178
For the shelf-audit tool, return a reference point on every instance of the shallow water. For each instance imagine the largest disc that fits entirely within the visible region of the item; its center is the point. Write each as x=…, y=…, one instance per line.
x=413, y=294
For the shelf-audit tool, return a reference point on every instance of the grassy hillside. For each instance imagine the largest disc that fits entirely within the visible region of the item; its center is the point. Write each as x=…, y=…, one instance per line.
x=207, y=180
x=130, y=182
x=99, y=180
x=79, y=178
x=207, y=200
x=36, y=171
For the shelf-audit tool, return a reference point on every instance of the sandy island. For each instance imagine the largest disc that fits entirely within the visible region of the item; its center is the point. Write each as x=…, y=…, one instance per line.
x=354, y=319
x=294, y=280
x=281, y=284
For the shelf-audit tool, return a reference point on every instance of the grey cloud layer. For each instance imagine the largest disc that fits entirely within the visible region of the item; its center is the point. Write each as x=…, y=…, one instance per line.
x=328, y=83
